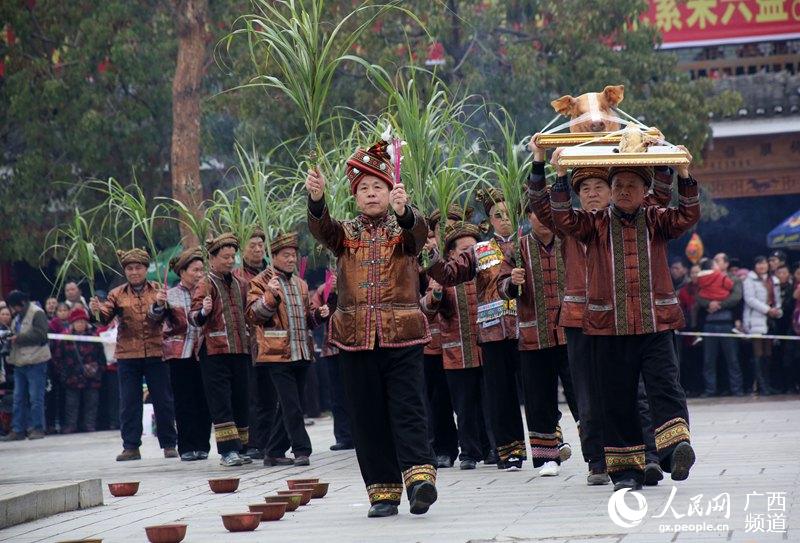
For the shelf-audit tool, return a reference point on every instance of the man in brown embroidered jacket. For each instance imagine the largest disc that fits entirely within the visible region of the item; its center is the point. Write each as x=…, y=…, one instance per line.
x=594, y=192
x=218, y=307
x=497, y=332
x=138, y=353
x=631, y=313
x=263, y=399
x=456, y=310
x=179, y=345
x=278, y=308
x=380, y=329
x=542, y=343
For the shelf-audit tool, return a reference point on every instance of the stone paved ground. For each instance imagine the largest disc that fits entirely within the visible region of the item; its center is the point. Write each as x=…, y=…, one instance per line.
x=743, y=446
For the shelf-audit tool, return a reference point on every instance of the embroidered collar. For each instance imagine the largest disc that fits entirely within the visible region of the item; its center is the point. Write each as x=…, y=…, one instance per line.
x=373, y=222
x=254, y=270
x=627, y=217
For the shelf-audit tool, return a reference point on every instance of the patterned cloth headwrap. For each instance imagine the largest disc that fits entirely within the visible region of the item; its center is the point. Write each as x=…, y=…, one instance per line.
x=644, y=172
x=579, y=175
x=489, y=197
x=282, y=241
x=258, y=232
x=373, y=161
x=224, y=240
x=134, y=256
x=187, y=256
x=459, y=230
x=455, y=213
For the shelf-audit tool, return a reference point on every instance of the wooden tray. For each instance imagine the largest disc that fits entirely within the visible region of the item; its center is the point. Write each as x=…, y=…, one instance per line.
x=605, y=155
x=567, y=139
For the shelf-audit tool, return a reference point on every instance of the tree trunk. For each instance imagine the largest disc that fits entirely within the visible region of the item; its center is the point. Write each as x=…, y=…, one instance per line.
x=190, y=18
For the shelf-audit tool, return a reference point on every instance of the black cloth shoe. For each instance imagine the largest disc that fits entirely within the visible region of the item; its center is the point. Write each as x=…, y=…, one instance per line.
x=652, y=474
x=342, y=446
x=443, y=461
x=277, y=461
x=467, y=463
x=630, y=483
x=682, y=461
x=491, y=458
x=255, y=454
x=301, y=461
x=382, y=510
x=423, y=495
x=190, y=456
x=13, y=436
x=202, y=455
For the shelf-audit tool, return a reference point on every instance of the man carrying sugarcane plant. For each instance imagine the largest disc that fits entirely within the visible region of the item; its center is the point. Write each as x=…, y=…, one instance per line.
x=180, y=345
x=594, y=193
x=218, y=307
x=263, y=400
x=279, y=310
x=631, y=313
x=380, y=329
x=497, y=326
x=138, y=353
x=456, y=310
x=537, y=282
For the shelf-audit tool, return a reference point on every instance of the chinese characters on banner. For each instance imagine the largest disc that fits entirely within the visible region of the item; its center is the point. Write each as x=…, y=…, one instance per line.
x=686, y=23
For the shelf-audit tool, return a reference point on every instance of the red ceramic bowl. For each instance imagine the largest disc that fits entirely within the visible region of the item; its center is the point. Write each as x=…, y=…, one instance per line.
x=241, y=522
x=223, y=486
x=166, y=533
x=269, y=511
x=292, y=501
x=305, y=494
x=320, y=489
x=291, y=483
x=123, y=489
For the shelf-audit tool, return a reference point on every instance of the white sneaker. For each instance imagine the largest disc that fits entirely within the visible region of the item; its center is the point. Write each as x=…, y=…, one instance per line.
x=550, y=469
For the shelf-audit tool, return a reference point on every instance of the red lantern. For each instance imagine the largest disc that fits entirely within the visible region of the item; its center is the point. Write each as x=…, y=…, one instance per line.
x=435, y=54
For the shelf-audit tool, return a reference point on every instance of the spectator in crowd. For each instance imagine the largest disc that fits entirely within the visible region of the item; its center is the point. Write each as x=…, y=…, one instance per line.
x=781, y=327
x=688, y=347
x=50, y=306
x=776, y=259
x=792, y=353
x=109, y=391
x=718, y=306
x=29, y=355
x=679, y=273
x=72, y=294
x=5, y=344
x=80, y=366
x=54, y=396
x=762, y=301
x=6, y=371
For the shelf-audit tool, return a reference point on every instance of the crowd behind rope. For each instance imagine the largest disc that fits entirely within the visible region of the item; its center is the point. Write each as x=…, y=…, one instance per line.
x=723, y=295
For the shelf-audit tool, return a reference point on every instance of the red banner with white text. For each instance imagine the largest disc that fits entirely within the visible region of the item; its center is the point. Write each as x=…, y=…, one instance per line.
x=691, y=23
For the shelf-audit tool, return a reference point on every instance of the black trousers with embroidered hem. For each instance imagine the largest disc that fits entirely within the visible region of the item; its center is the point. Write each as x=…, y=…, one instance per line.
x=587, y=396
x=289, y=379
x=191, y=408
x=263, y=406
x=439, y=407
x=620, y=361
x=466, y=390
x=385, y=396
x=540, y=374
x=500, y=368
x=225, y=379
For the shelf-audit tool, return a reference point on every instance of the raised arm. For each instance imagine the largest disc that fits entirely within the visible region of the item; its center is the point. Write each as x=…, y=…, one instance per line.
x=573, y=222
x=459, y=270
x=661, y=195
x=538, y=195
x=671, y=223
x=415, y=230
x=326, y=230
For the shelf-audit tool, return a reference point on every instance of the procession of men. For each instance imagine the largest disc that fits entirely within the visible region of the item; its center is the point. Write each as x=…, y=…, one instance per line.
x=442, y=354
